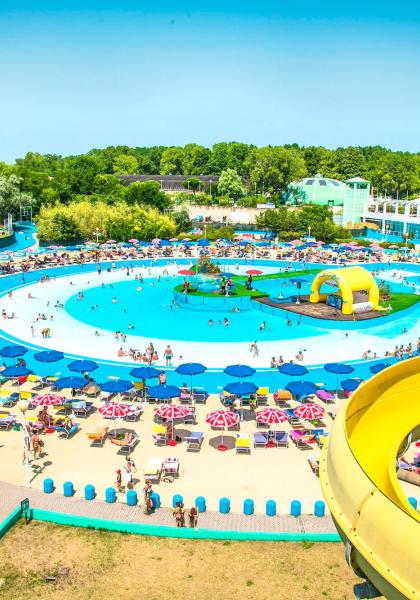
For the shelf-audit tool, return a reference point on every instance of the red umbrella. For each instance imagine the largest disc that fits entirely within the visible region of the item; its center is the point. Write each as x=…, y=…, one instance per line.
x=254, y=272
x=47, y=400
x=186, y=272
x=271, y=415
x=224, y=419
x=309, y=411
x=173, y=411
x=114, y=410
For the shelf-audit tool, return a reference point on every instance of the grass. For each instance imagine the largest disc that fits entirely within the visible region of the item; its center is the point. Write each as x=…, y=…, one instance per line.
x=128, y=566
x=400, y=301
x=240, y=291
x=285, y=275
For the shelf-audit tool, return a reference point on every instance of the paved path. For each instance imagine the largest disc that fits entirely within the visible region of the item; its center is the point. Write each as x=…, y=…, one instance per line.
x=11, y=496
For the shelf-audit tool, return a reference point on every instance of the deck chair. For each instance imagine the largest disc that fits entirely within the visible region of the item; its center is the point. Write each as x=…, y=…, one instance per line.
x=153, y=469
x=66, y=433
x=260, y=440
x=7, y=423
x=281, y=439
x=126, y=445
x=82, y=408
x=314, y=464
x=325, y=396
x=98, y=436
x=199, y=396
x=262, y=396
x=243, y=444
x=194, y=441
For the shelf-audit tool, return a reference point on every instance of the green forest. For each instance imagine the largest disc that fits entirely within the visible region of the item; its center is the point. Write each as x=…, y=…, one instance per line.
x=71, y=195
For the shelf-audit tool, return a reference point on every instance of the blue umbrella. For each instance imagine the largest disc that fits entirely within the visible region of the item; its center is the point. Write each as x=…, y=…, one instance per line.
x=351, y=384
x=227, y=274
x=292, y=369
x=378, y=367
x=116, y=386
x=144, y=372
x=13, y=351
x=165, y=243
x=16, y=371
x=301, y=388
x=338, y=369
x=71, y=382
x=49, y=356
x=204, y=242
x=164, y=391
x=191, y=369
x=83, y=366
x=239, y=371
x=241, y=388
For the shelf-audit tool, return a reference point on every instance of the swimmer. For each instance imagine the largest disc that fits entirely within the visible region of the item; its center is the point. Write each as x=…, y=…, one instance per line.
x=114, y=300
x=226, y=322
x=210, y=322
x=262, y=326
x=139, y=289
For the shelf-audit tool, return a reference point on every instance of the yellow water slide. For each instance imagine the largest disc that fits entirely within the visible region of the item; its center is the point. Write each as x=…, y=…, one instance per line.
x=379, y=526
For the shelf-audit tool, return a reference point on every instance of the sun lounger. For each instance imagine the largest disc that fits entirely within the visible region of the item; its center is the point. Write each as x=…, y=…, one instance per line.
x=190, y=419
x=135, y=414
x=6, y=423
x=185, y=398
x=199, y=396
x=98, y=437
x=262, y=396
x=8, y=398
x=153, y=469
x=66, y=433
x=195, y=440
x=325, y=396
x=260, y=440
x=81, y=408
x=282, y=398
x=281, y=439
x=321, y=439
x=170, y=469
x=314, y=464
x=243, y=444
x=301, y=439
x=126, y=444
x=92, y=390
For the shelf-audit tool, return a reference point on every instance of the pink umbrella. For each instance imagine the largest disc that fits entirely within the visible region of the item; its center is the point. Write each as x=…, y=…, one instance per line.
x=394, y=247
x=271, y=415
x=186, y=272
x=133, y=241
x=320, y=243
x=173, y=411
x=114, y=410
x=47, y=400
x=353, y=243
x=223, y=419
x=156, y=241
x=296, y=242
x=110, y=242
x=309, y=411
x=254, y=272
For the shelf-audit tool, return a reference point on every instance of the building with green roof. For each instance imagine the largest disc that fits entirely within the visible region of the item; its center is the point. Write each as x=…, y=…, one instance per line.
x=317, y=190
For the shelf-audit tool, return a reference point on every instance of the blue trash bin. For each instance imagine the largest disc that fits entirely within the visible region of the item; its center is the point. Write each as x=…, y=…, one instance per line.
x=319, y=508
x=224, y=505
x=89, y=492
x=248, y=507
x=155, y=498
x=413, y=502
x=131, y=498
x=110, y=495
x=200, y=503
x=271, y=508
x=176, y=498
x=48, y=486
x=68, y=489
x=295, y=508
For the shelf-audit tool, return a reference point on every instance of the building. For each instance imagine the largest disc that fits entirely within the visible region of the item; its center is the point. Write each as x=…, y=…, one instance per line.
x=317, y=190
x=356, y=201
x=173, y=183
x=394, y=217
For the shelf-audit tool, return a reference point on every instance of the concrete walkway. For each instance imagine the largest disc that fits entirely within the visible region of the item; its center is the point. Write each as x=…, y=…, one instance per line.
x=12, y=495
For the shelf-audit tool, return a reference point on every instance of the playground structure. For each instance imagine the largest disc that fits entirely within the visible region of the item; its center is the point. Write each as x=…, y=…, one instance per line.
x=379, y=526
x=351, y=282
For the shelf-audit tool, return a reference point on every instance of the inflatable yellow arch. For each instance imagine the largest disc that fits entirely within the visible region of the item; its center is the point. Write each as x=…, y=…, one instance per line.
x=348, y=280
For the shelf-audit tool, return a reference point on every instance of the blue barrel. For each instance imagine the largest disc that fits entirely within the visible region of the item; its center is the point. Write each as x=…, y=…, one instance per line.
x=295, y=508
x=155, y=498
x=131, y=498
x=248, y=507
x=413, y=502
x=224, y=505
x=89, y=492
x=48, y=486
x=200, y=503
x=68, y=489
x=270, y=508
x=319, y=508
x=110, y=495
x=175, y=499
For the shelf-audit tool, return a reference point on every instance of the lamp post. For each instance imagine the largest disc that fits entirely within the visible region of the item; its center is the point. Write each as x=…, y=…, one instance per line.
x=22, y=406
x=97, y=234
x=406, y=235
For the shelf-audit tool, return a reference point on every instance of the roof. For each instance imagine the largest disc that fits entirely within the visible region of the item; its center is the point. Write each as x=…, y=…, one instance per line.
x=321, y=190
x=356, y=180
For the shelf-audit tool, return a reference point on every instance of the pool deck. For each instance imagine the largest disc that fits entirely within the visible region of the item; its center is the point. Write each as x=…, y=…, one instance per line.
x=12, y=495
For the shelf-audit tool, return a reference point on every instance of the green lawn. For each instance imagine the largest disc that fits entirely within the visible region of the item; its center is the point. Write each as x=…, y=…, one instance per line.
x=400, y=301
x=239, y=292
x=278, y=275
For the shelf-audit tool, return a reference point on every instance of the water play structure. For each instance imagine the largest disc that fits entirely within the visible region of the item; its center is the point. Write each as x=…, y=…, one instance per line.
x=379, y=526
x=350, y=281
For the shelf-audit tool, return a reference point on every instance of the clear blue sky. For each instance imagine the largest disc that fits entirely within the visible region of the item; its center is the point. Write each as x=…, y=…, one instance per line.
x=78, y=74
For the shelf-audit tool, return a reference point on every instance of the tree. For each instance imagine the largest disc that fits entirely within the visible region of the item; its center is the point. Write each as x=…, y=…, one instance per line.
x=79, y=174
x=125, y=164
x=171, y=161
x=109, y=187
x=11, y=197
x=228, y=155
x=182, y=219
x=192, y=184
x=230, y=184
x=271, y=169
x=147, y=192
x=195, y=160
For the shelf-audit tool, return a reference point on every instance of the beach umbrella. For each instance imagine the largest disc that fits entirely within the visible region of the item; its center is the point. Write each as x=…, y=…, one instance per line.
x=186, y=272
x=270, y=416
x=83, y=366
x=203, y=243
x=239, y=371
x=222, y=419
x=15, y=371
x=47, y=400
x=165, y=243
x=71, y=382
x=338, y=369
x=13, y=351
x=162, y=392
x=172, y=412
x=301, y=388
x=394, y=247
x=351, y=384
x=292, y=369
x=191, y=369
x=241, y=388
x=49, y=356
x=133, y=241
x=144, y=372
x=227, y=274
x=377, y=368
x=309, y=411
x=254, y=272
x=115, y=410
x=116, y=386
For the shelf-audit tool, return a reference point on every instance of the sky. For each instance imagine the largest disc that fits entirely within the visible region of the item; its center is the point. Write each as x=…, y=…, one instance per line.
x=82, y=74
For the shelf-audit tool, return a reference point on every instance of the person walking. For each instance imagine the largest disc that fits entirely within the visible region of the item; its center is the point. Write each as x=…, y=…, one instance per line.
x=168, y=355
x=254, y=349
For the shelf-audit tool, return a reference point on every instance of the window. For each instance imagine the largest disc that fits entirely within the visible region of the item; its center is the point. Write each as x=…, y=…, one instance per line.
x=309, y=181
x=334, y=182
x=322, y=182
